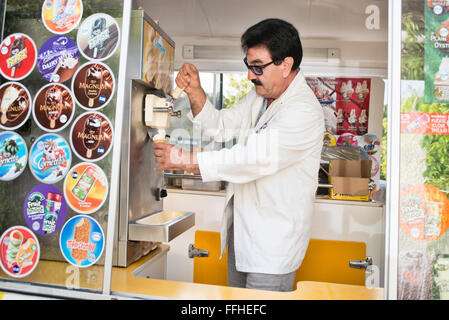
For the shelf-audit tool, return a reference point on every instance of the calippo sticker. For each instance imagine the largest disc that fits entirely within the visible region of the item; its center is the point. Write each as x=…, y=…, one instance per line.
x=19, y=251
x=86, y=188
x=13, y=155
x=15, y=105
x=18, y=56
x=98, y=37
x=50, y=158
x=62, y=16
x=93, y=85
x=82, y=241
x=58, y=59
x=53, y=107
x=91, y=136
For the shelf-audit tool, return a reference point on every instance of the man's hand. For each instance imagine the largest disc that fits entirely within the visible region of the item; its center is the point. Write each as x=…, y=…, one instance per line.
x=170, y=157
x=189, y=78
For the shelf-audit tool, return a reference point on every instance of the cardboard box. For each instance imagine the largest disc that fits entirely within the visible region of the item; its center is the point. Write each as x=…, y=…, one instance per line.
x=350, y=179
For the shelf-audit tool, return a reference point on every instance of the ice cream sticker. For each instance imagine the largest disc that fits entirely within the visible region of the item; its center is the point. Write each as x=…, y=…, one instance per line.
x=50, y=158
x=53, y=107
x=19, y=252
x=86, y=188
x=61, y=16
x=15, y=105
x=91, y=136
x=58, y=59
x=93, y=86
x=82, y=241
x=18, y=55
x=13, y=155
x=45, y=209
x=98, y=37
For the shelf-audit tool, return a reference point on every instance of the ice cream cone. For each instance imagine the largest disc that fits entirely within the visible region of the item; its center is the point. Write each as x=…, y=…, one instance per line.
x=4, y=119
x=89, y=153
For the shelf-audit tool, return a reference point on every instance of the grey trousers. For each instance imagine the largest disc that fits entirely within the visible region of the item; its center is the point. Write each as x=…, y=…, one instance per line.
x=261, y=281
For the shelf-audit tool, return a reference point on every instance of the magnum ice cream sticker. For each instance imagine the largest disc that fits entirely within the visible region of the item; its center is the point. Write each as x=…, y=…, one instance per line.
x=61, y=16
x=54, y=107
x=91, y=136
x=19, y=252
x=15, y=105
x=50, y=158
x=98, y=37
x=93, y=86
x=86, y=188
x=13, y=155
x=18, y=55
x=81, y=241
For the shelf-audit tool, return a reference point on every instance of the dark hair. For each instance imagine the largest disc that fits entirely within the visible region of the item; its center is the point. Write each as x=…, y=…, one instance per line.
x=278, y=36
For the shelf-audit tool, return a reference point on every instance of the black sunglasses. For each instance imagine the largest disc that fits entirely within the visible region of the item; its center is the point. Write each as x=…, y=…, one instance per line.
x=257, y=70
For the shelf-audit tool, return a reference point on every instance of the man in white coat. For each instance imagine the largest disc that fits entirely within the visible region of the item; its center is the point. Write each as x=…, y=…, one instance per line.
x=272, y=170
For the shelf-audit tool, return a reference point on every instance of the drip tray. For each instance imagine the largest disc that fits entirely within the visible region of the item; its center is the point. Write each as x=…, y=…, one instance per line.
x=161, y=226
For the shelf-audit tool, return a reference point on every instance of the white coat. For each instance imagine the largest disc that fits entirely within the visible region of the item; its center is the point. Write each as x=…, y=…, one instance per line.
x=272, y=173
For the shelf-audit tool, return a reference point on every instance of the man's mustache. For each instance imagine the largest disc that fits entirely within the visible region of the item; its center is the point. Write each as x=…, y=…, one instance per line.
x=256, y=82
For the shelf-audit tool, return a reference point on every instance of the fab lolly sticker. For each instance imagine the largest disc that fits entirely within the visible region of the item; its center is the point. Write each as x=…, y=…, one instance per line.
x=50, y=158
x=53, y=107
x=45, y=209
x=91, y=136
x=61, y=16
x=82, y=241
x=19, y=251
x=13, y=155
x=58, y=59
x=18, y=55
x=15, y=105
x=86, y=188
x=98, y=37
x=93, y=85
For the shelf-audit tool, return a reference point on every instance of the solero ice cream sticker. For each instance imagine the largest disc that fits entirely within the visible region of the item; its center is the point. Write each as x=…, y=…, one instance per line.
x=15, y=105
x=98, y=37
x=50, y=158
x=81, y=241
x=18, y=55
x=13, y=155
x=61, y=16
x=19, y=251
x=93, y=85
x=85, y=188
x=91, y=136
x=45, y=209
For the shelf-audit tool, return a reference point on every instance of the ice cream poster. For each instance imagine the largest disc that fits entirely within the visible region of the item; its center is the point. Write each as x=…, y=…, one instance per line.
x=61, y=16
x=81, y=241
x=15, y=105
x=19, y=252
x=18, y=55
x=13, y=155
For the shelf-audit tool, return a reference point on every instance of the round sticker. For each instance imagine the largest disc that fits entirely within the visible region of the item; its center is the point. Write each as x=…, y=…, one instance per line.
x=50, y=158
x=86, y=188
x=370, y=143
x=61, y=16
x=58, y=59
x=91, y=136
x=13, y=155
x=98, y=37
x=53, y=107
x=18, y=56
x=15, y=105
x=93, y=85
x=82, y=241
x=19, y=251
x=45, y=209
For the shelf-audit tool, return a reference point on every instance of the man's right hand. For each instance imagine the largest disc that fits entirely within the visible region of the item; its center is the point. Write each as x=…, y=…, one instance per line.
x=188, y=78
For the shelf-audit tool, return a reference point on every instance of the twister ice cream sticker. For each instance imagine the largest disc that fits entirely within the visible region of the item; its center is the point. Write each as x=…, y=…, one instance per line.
x=45, y=209
x=61, y=16
x=13, y=155
x=91, y=136
x=50, y=158
x=86, y=188
x=53, y=107
x=58, y=59
x=82, y=241
x=15, y=105
x=18, y=56
x=19, y=252
x=93, y=86
x=98, y=37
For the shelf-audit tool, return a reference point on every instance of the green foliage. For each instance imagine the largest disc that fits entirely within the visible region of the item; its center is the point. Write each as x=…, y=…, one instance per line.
x=239, y=85
x=413, y=46
x=383, y=156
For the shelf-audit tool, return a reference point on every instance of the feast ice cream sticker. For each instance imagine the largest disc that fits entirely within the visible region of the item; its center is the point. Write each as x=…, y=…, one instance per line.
x=50, y=158
x=86, y=188
x=61, y=16
x=15, y=105
x=13, y=155
x=19, y=251
x=18, y=55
